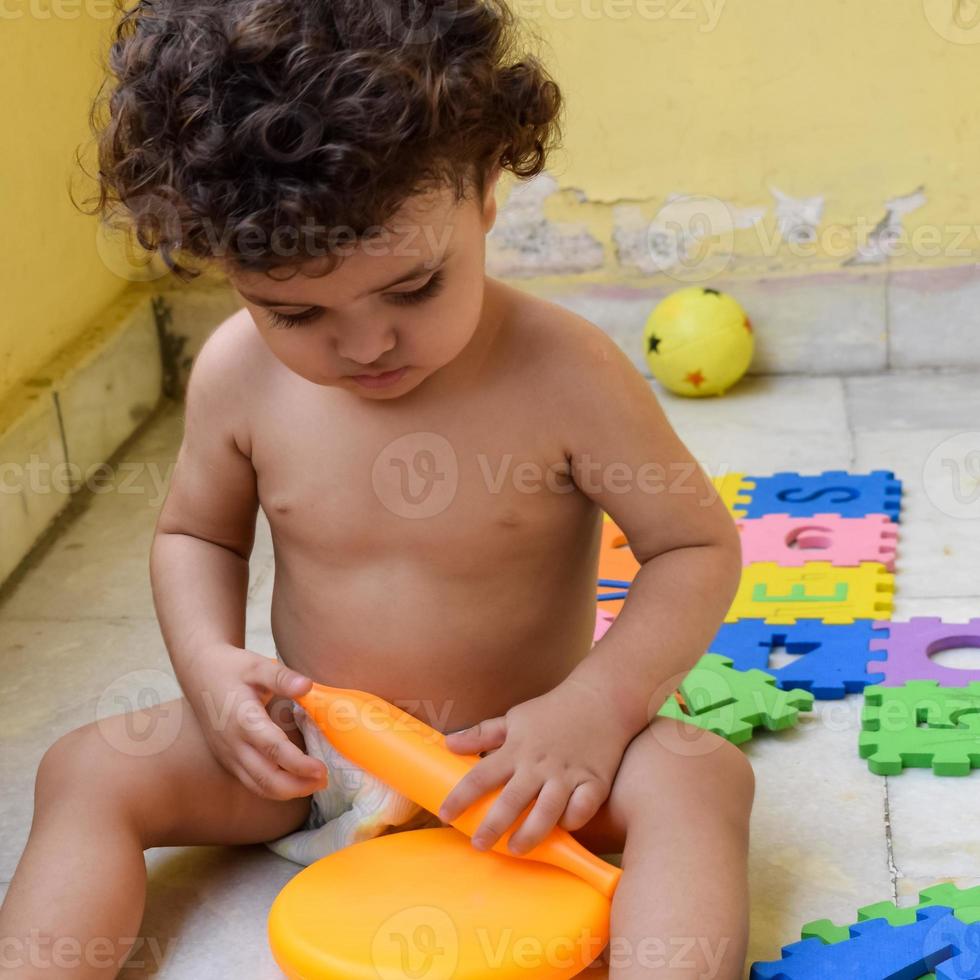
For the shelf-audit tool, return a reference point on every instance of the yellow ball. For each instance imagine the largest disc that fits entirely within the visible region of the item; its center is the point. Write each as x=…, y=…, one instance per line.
x=698, y=342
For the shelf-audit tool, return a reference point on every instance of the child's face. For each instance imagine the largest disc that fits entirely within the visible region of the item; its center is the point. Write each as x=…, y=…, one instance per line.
x=357, y=327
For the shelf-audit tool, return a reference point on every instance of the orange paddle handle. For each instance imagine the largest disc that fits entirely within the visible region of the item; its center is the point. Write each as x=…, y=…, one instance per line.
x=412, y=758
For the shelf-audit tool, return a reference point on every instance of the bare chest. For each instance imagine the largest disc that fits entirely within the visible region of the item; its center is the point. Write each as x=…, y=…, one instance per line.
x=459, y=491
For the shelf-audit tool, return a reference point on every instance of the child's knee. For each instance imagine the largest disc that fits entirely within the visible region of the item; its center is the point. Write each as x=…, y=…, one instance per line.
x=78, y=764
x=695, y=766
x=735, y=776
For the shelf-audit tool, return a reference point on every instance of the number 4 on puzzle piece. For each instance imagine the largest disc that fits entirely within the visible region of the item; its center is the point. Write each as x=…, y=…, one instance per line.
x=832, y=660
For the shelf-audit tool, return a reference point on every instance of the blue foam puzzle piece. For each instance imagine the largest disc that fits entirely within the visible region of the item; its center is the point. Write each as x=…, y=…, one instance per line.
x=833, y=492
x=834, y=659
x=937, y=940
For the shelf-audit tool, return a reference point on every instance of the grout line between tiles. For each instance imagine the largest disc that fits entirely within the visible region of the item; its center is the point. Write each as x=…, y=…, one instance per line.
x=848, y=426
x=893, y=872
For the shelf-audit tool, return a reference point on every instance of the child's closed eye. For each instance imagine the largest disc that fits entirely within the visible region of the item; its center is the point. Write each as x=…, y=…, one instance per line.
x=431, y=288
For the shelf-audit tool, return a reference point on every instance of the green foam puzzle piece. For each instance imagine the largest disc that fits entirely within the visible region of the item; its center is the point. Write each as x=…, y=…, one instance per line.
x=921, y=724
x=733, y=703
x=965, y=903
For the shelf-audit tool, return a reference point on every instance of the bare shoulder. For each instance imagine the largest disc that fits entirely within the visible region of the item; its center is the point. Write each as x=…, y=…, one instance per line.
x=227, y=376
x=232, y=352
x=567, y=349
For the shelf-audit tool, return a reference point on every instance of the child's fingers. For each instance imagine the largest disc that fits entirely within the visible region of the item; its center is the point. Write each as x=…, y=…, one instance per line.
x=544, y=815
x=277, y=746
x=514, y=799
x=272, y=782
x=276, y=678
x=485, y=776
x=489, y=734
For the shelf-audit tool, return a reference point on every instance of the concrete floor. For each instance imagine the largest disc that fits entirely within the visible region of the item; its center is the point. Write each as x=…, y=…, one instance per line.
x=78, y=639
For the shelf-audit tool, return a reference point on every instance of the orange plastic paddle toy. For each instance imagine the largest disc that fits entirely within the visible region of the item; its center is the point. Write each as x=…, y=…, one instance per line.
x=425, y=903
x=412, y=757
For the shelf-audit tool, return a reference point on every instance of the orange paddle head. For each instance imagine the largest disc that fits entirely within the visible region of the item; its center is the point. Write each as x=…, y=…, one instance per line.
x=425, y=904
x=412, y=758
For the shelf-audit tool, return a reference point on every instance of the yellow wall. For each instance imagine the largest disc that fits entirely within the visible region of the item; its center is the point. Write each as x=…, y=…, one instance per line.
x=856, y=99
x=53, y=280
x=852, y=101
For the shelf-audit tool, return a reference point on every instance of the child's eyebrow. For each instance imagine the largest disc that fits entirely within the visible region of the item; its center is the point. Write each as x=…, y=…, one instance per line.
x=411, y=274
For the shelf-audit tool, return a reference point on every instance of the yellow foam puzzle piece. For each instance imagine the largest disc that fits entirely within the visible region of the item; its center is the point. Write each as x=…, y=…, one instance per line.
x=734, y=491
x=815, y=590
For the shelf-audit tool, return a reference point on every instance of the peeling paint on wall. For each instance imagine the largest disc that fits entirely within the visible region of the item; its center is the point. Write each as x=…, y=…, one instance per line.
x=797, y=218
x=525, y=243
x=680, y=232
x=877, y=249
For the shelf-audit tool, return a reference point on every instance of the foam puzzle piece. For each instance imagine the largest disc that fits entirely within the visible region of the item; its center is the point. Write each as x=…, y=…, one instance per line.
x=963, y=902
x=921, y=725
x=877, y=950
x=603, y=621
x=733, y=703
x=616, y=563
x=834, y=660
x=735, y=492
x=909, y=648
x=837, y=492
x=817, y=590
x=791, y=541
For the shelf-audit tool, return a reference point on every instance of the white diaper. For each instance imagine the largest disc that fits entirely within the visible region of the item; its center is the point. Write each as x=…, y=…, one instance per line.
x=354, y=806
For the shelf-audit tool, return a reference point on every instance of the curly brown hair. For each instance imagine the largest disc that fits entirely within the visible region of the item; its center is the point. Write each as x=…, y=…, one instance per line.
x=234, y=124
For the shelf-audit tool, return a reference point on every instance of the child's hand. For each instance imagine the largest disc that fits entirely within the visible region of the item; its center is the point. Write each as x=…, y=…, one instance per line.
x=230, y=690
x=563, y=748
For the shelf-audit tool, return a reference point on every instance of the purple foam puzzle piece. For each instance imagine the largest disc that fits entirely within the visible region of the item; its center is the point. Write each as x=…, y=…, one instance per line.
x=909, y=648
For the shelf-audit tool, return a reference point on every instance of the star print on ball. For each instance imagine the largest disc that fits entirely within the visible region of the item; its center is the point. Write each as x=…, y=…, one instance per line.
x=698, y=342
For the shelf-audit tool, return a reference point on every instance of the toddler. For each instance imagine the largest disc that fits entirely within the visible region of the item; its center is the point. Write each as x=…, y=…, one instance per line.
x=434, y=450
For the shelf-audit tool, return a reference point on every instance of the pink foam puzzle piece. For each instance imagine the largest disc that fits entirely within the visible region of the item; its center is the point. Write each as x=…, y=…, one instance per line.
x=909, y=648
x=842, y=541
x=603, y=621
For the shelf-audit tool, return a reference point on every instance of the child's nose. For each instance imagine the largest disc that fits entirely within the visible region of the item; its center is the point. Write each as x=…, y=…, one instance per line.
x=364, y=344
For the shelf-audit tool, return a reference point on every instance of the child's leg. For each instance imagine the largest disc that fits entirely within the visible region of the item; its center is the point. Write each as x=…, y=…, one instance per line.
x=679, y=812
x=105, y=792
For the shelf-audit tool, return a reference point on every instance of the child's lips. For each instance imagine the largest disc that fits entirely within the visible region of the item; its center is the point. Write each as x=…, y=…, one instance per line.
x=382, y=380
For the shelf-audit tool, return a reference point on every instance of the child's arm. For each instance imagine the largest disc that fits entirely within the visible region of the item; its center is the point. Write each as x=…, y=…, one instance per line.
x=627, y=458
x=199, y=575
x=565, y=747
x=206, y=529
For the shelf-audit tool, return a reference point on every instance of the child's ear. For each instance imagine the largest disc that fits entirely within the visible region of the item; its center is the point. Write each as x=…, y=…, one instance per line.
x=490, y=200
